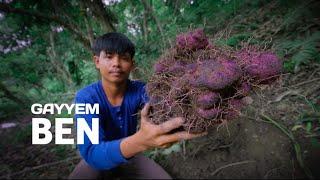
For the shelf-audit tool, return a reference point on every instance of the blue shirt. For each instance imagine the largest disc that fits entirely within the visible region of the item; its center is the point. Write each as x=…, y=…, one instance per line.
x=115, y=123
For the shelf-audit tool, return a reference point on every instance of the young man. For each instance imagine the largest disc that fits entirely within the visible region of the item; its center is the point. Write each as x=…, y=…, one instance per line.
x=119, y=99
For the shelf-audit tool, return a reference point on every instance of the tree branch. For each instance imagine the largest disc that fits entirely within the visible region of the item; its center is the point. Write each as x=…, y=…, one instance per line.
x=104, y=15
x=48, y=18
x=8, y=94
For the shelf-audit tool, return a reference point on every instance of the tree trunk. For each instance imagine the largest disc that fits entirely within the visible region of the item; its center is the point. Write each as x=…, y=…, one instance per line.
x=89, y=30
x=59, y=67
x=148, y=8
x=87, y=22
x=145, y=26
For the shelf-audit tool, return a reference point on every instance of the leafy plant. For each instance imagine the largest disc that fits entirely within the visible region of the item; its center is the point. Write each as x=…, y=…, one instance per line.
x=309, y=122
x=301, y=51
x=236, y=39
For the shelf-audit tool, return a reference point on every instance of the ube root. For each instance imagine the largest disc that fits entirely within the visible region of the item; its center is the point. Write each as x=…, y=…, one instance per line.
x=244, y=89
x=215, y=75
x=207, y=99
x=208, y=113
x=193, y=40
x=233, y=111
x=260, y=65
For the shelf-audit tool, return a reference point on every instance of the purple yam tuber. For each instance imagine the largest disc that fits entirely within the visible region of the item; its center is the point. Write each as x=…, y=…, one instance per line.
x=207, y=99
x=244, y=89
x=261, y=65
x=216, y=75
x=235, y=106
x=208, y=113
x=177, y=68
x=159, y=67
x=192, y=41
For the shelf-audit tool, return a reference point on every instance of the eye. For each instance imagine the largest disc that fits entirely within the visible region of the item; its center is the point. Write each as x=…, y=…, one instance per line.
x=126, y=57
x=109, y=56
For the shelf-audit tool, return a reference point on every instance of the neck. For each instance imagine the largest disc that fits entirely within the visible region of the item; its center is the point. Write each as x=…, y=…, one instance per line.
x=114, y=92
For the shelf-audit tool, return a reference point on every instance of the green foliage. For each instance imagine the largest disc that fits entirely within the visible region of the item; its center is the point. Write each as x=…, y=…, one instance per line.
x=299, y=11
x=309, y=122
x=236, y=39
x=22, y=135
x=88, y=73
x=158, y=154
x=53, y=85
x=301, y=51
x=9, y=108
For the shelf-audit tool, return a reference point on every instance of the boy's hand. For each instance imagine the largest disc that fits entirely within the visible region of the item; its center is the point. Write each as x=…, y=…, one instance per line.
x=152, y=135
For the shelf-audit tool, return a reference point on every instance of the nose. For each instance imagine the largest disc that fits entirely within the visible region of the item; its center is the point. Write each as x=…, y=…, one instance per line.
x=116, y=61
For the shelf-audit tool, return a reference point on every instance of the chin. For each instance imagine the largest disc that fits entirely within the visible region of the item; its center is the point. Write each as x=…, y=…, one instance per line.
x=118, y=80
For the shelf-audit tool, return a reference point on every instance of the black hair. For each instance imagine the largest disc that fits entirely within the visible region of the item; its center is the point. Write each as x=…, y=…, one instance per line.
x=113, y=43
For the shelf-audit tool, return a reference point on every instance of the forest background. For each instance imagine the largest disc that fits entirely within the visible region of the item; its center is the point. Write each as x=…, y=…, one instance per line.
x=45, y=57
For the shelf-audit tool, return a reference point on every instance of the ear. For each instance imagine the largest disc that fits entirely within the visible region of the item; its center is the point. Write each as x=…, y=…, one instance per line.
x=96, y=61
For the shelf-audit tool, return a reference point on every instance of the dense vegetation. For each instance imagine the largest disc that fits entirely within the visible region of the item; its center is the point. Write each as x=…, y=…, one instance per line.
x=45, y=46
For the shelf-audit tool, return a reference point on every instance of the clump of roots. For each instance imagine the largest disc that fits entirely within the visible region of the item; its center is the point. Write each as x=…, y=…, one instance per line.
x=204, y=83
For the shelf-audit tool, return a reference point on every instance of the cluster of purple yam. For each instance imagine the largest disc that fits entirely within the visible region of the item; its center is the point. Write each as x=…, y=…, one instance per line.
x=192, y=41
x=205, y=90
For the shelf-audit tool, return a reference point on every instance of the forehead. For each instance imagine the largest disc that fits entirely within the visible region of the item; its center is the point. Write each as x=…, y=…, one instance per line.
x=104, y=52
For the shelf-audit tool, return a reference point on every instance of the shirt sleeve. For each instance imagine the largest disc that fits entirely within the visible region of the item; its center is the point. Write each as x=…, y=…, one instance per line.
x=106, y=154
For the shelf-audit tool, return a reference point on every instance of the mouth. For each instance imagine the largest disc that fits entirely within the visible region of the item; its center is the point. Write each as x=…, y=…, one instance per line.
x=116, y=73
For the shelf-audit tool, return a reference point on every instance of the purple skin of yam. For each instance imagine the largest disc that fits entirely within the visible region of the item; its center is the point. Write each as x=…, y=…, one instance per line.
x=177, y=68
x=207, y=99
x=192, y=41
x=159, y=68
x=208, y=113
x=191, y=68
x=245, y=89
x=261, y=65
x=216, y=75
x=192, y=79
x=231, y=114
x=235, y=106
x=178, y=83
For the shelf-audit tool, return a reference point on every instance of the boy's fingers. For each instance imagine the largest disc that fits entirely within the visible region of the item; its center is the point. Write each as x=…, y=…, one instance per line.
x=184, y=135
x=171, y=124
x=145, y=111
x=167, y=145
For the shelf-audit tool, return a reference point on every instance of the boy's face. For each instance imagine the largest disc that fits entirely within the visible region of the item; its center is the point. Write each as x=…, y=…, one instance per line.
x=114, y=68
